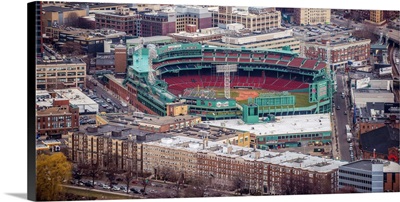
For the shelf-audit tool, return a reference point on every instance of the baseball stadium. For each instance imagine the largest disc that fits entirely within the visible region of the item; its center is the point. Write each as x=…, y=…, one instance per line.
x=228, y=83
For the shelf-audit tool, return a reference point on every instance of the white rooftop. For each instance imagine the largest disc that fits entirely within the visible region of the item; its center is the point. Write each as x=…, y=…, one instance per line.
x=289, y=159
x=391, y=167
x=43, y=98
x=75, y=96
x=282, y=125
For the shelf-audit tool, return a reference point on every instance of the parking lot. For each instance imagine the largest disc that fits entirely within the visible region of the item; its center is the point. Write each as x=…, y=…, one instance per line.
x=311, y=33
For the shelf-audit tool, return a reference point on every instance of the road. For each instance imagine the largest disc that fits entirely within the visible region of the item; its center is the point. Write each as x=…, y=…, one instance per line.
x=341, y=119
x=392, y=33
x=155, y=189
x=103, y=91
x=99, y=190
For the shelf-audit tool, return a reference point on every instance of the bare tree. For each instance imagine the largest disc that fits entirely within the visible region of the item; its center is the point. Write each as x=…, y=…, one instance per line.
x=110, y=174
x=94, y=172
x=78, y=171
x=179, y=182
x=239, y=184
x=348, y=22
x=145, y=182
x=128, y=177
x=368, y=31
x=167, y=174
x=197, y=188
x=71, y=48
x=73, y=20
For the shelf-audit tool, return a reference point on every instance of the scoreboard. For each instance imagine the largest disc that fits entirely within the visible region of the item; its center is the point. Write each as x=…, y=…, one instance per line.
x=318, y=91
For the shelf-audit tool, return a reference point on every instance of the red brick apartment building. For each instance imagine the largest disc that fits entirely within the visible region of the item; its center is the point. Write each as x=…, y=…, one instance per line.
x=259, y=170
x=174, y=20
x=391, y=178
x=341, y=51
x=122, y=20
x=157, y=24
x=61, y=117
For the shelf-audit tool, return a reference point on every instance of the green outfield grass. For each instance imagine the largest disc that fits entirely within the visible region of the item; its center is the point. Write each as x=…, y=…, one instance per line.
x=301, y=98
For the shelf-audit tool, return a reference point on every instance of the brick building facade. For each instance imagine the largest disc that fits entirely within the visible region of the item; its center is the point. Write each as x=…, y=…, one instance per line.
x=120, y=59
x=122, y=20
x=58, y=74
x=341, y=52
x=60, y=118
x=157, y=25
x=107, y=146
x=259, y=170
x=128, y=93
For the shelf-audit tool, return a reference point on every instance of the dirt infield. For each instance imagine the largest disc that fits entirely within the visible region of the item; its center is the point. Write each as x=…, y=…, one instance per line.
x=245, y=94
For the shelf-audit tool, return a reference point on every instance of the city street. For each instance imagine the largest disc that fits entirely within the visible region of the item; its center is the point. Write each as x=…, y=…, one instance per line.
x=155, y=188
x=100, y=91
x=341, y=119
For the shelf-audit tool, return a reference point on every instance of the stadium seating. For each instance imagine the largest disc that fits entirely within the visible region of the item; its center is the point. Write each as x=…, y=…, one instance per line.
x=190, y=79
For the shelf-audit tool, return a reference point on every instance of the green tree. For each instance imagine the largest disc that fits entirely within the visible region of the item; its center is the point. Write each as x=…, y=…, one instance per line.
x=51, y=172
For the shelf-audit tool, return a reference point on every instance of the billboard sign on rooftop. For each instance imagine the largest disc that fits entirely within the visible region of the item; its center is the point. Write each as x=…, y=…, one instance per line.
x=391, y=108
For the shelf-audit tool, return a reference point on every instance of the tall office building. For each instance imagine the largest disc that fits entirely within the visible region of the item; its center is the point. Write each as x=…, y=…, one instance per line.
x=311, y=16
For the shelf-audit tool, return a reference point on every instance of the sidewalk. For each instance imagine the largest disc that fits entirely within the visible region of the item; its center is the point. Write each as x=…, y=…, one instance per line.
x=335, y=135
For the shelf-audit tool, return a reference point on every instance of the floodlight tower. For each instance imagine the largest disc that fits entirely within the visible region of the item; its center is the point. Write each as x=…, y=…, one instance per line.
x=227, y=69
x=152, y=55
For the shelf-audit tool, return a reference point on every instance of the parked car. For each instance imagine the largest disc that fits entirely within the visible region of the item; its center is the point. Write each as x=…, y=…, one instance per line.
x=134, y=190
x=106, y=186
x=115, y=188
x=125, y=190
x=338, y=107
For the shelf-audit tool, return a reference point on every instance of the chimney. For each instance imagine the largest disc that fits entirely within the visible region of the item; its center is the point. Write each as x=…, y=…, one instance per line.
x=229, y=149
x=256, y=155
x=207, y=140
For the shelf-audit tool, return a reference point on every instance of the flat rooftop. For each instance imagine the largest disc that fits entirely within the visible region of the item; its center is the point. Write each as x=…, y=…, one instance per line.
x=101, y=5
x=259, y=33
x=59, y=9
x=125, y=132
x=75, y=96
x=148, y=40
x=166, y=119
x=53, y=110
x=282, y=125
x=363, y=164
x=337, y=40
x=288, y=159
x=391, y=167
x=50, y=61
x=196, y=34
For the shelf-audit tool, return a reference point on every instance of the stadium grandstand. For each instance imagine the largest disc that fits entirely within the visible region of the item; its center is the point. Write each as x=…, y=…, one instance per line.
x=187, y=73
